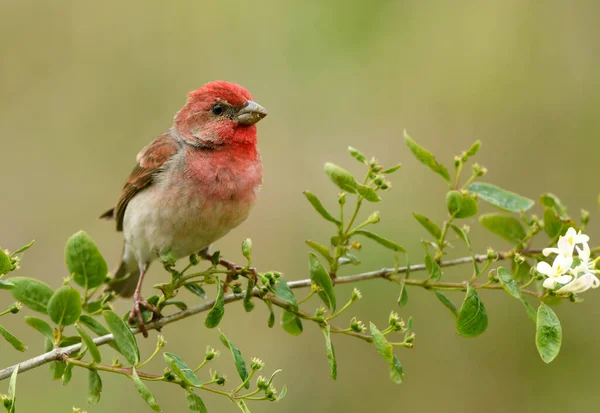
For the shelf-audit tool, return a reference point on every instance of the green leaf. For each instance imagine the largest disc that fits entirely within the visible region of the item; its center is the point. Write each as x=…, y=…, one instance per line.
x=5, y=263
x=181, y=370
x=320, y=248
x=509, y=284
x=282, y=393
x=426, y=158
x=6, y=285
x=40, y=325
x=358, y=155
x=380, y=240
x=15, y=342
x=367, y=193
x=89, y=344
x=447, y=303
x=500, y=198
x=330, y=351
x=214, y=316
x=283, y=291
x=341, y=177
x=387, y=352
x=461, y=205
x=271, y=319
x=432, y=228
x=23, y=248
x=94, y=387
x=144, y=392
x=247, y=249
x=403, y=298
x=195, y=289
x=392, y=169
x=96, y=327
x=521, y=272
x=248, y=304
x=320, y=276
x=32, y=293
x=453, y=201
x=505, y=226
x=473, y=149
x=549, y=200
x=84, y=261
x=291, y=323
x=195, y=403
x=12, y=389
x=124, y=338
x=240, y=363
x=242, y=405
x=433, y=268
x=530, y=311
x=472, y=319
x=64, y=307
x=548, y=334
x=67, y=374
x=553, y=225
x=318, y=206
x=463, y=236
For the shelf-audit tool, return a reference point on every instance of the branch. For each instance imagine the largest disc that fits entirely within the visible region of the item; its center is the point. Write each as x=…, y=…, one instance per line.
x=384, y=273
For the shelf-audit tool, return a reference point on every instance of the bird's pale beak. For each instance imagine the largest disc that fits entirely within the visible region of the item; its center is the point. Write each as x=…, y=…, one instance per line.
x=251, y=113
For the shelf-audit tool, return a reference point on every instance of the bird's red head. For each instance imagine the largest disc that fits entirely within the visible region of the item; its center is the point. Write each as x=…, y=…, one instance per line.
x=219, y=113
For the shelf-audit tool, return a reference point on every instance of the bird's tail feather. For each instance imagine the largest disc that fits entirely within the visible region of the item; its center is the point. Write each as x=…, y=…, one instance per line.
x=125, y=280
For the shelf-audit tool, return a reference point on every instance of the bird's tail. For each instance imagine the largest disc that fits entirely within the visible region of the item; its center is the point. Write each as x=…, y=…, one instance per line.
x=125, y=280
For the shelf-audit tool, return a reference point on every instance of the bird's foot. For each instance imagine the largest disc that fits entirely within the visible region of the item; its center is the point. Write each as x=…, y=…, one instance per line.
x=137, y=314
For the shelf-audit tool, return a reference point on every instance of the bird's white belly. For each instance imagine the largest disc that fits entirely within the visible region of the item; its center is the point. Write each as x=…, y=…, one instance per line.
x=155, y=223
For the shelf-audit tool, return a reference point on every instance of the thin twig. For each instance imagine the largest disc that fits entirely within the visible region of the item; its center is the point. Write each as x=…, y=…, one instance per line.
x=384, y=273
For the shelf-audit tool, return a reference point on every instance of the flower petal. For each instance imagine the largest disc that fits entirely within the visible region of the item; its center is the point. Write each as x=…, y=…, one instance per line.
x=544, y=268
x=549, y=283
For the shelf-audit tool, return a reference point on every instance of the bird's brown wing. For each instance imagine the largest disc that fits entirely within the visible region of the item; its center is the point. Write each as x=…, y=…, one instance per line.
x=150, y=161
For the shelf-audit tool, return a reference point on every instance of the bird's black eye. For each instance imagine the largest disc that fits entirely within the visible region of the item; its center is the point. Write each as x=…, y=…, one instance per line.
x=217, y=109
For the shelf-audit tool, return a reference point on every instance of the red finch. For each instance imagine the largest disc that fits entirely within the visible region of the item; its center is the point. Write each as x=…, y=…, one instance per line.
x=191, y=185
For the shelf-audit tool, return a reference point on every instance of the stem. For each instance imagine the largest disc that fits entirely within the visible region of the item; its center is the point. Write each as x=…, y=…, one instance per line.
x=241, y=386
x=308, y=297
x=156, y=350
x=341, y=310
x=201, y=365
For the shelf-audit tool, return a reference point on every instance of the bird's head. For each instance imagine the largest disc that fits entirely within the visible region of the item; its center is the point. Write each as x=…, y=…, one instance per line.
x=219, y=113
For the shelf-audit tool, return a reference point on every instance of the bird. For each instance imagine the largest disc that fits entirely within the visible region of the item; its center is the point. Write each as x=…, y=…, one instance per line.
x=190, y=187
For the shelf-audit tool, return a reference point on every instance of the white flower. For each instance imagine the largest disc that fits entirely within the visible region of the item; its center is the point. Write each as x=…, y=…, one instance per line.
x=567, y=242
x=581, y=284
x=556, y=272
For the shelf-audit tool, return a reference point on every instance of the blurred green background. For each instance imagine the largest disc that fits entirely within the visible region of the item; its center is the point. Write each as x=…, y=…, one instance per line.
x=85, y=85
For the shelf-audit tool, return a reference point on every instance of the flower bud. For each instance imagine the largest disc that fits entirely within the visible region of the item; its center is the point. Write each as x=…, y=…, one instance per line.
x=356, y=295
x=270, y=392
x=519, y=259
x=357, y=325
x=374, y=218
x=256, y=364
x=385, y=185
x=342, y=198
x=160, y=341
x=15, y=308
x=194, y=260
x=356, y=245
x=491, y=254
x=320, y=312
x=167, y=374
x=210, y=353
x=457, y=161
x=237, y=289
x=585, y=217
x=261, y=383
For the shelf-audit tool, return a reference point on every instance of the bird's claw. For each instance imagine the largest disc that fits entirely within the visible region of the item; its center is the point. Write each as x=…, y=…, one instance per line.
x=136, y=313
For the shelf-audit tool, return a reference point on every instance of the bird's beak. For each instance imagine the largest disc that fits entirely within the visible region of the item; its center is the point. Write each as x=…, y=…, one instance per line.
x=251, y=113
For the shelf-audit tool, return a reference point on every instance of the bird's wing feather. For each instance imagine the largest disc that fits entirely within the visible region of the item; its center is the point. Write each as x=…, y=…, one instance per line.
x=151, y=159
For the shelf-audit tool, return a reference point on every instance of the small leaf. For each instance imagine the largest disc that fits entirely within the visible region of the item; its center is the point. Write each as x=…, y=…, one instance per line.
x=5, y=263
x=396, y=371
x=248, y=304
x=23, y=248
x=500, y=198
x=12, y=389
x=195, y=289
x=433, y=268
x=403, y=298
x=473, y=149
x=242, y=405
x=40, y=325
x=32, y=293
x=330, y=351
x=387, y=352
x=428, y=224
x=509, y=284
x=530, y=311
x=283, y=291
x=553, y=225
x=468, y=207
x=181, y=370
x=15, y=342
x=67, y=374
x=64, y=307
x=472, y=319
x=463, y=236
x=392, y=169
x=144, y=392
x=282, y=393
x=505, y=226
x=214, y=316
x=6, y=285
x=89, y=344
x=320, y=276
x=358, y=155
x=240, y=363
x=341, y=177
x=247, y=249
x=96, y=327
x=426, y=158
x=453, y=201
x=549, y=200
x=447, y=303
x=124, y=338
x=291, y=323
x=318, y=206
x=195, y=403
x=271, y=319
x=380, y=240
x=548, y=334
x=367, y=193
x=94, y=387
x=84, y=261
x=320, y=248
